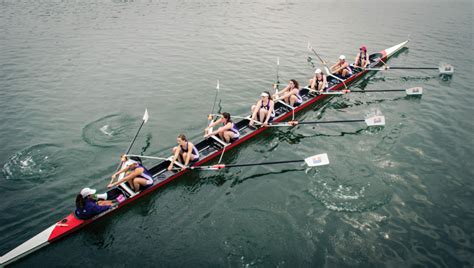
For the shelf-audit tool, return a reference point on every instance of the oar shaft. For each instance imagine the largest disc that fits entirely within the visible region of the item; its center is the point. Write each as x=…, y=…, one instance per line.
x=264, y=163
x=376, y=90
x=247, y=165
x=414, y=68
x=134, y=138
x=328, y=122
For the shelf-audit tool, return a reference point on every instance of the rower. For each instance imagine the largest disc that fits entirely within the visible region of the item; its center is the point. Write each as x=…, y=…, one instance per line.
x=362, y=59
x=138, y=176
x=185, y=152
x=88, y=204
x=341, y=68
x=228, y=132
x=263, y=111
x=318, y=82
x=290, y=94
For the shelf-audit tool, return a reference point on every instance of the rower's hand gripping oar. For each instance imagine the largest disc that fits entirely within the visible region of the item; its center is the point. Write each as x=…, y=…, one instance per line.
x=313, y=161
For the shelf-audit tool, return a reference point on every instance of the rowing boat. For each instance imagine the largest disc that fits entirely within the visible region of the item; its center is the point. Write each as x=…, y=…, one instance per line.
x=208, y=148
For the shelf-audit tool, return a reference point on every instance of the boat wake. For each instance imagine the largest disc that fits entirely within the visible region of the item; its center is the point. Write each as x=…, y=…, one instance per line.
x=109, y=130
x=35, y=162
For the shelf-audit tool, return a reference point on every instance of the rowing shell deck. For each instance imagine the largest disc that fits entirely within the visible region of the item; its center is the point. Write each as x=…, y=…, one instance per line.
x=208, y=149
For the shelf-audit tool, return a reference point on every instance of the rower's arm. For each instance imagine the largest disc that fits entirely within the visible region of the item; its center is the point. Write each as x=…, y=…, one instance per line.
x=256, y=109
x=175, y=156
x=119, y=172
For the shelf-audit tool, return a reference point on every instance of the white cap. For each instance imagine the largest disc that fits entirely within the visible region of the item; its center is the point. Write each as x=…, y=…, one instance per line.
x=342, y=57
x=87, y=191
x=318, y=71
x=130, y=162
x=264, y=94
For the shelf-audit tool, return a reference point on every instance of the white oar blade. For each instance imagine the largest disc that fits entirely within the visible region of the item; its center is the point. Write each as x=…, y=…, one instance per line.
x=217, y=87
x=145, y=116
x=317, y=160
x=414, y=91
x=378, y=120
x=445, y=68
x=278, y=60
x=309, y=46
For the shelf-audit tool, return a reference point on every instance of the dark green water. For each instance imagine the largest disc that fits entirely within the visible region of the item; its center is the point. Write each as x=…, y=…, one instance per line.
x=75, y=77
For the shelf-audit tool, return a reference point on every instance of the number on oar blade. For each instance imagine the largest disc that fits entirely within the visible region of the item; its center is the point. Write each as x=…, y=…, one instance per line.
x=414, y=91
x=378, y=120
x=317, y=160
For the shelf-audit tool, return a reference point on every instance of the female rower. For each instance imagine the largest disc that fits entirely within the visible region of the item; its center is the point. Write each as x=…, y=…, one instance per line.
x=263, y=111
x=290, y=94
x=342, y=68
x=138, y=176
x=185, y=152
x=362, y=59
x=228, y=132
x=88, y=205
x=318, y=82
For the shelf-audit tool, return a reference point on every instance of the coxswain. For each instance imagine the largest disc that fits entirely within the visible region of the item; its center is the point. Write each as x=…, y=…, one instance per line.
x=136, y=175
x=88, y=204
x=341, y=68
x=263, y=111
x=185, y=152
x=362, y=59
x=228, y=132
x=290, y=94
x=318, y=82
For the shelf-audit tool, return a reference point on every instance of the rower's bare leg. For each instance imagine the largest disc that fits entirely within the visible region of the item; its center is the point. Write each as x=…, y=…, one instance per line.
x=262, y=115
x=345, y=73
x=293, y=99
x=321, y=87
x=221, y=136
x=228, y=135
x=184, y=157
x=137, y=182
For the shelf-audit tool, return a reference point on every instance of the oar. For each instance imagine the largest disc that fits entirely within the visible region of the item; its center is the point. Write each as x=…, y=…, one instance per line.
x=408, y=91
x=377, y=120
x=278, y=77
x=146, y=157
x=443, y=68
x=313, y=161
x=145, y=119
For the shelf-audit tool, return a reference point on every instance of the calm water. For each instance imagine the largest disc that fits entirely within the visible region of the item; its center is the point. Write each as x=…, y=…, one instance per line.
x=76, y=76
